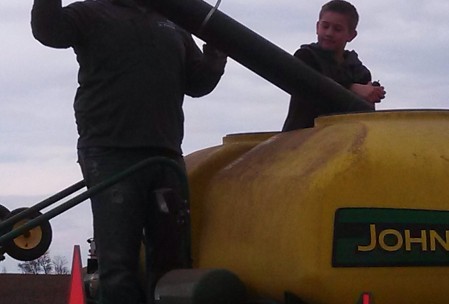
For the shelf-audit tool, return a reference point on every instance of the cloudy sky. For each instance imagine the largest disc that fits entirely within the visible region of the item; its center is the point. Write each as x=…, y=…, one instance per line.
x=405, y=43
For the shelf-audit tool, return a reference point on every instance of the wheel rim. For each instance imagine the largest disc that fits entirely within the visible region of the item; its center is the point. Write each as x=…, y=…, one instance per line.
x=33, y=243
x=29, y=239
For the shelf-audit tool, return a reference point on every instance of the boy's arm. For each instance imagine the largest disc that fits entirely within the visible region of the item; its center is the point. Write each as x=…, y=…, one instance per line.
x=369, y=92
x=361, y=83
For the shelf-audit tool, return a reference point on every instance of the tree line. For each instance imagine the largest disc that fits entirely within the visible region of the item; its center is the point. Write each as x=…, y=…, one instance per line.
x=45, y=265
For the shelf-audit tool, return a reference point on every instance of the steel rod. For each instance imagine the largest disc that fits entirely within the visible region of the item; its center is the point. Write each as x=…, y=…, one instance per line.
x=43, y=204
x=94, y=190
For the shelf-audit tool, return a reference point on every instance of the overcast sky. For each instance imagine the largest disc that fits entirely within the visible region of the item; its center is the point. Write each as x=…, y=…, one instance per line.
x=404, y=43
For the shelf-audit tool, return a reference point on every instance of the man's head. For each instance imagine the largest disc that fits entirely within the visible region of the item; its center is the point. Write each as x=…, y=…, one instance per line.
x=337, y=25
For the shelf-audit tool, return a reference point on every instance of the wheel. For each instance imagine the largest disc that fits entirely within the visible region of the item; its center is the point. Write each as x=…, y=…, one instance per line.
x=33, y=243
x=4, y=212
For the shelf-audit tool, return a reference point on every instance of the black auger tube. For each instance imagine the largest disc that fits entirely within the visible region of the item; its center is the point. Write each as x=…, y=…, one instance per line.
x=256, y=53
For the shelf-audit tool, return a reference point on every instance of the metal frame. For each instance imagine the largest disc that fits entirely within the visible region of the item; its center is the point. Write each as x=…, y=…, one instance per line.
x=7, y=237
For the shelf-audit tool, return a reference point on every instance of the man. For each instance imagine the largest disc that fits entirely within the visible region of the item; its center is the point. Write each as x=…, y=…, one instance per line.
x=135, y=67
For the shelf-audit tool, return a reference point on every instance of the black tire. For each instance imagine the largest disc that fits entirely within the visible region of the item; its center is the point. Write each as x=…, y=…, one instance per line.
x=32, y=244
x=4, y=213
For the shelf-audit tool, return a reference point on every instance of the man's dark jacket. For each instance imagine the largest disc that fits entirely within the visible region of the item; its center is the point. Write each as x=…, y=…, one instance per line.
x=134, y=68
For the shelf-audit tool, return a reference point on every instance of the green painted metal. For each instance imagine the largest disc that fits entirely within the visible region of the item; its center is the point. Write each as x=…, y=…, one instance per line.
x=84, y=196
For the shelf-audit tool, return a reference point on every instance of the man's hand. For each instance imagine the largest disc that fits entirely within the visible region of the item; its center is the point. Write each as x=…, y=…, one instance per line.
x=209, y=50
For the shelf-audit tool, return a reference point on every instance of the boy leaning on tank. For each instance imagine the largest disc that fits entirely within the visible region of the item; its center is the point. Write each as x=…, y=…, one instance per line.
x=336, y=27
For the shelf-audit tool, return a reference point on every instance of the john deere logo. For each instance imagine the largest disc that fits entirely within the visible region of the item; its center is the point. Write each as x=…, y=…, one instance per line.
x=390, y=237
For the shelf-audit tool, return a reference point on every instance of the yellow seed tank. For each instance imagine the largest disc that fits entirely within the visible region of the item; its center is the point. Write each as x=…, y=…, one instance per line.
x=359, y=203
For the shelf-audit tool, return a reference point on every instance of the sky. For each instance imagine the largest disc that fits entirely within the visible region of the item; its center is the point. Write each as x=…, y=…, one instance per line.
x=405, y=43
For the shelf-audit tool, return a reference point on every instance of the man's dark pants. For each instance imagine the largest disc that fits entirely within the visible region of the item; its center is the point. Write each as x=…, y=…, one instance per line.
x=121, y=214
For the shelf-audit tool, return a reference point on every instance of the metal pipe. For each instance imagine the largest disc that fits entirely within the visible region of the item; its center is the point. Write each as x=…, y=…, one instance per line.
x=43, y=204
x=256, y=53
x=94, y=190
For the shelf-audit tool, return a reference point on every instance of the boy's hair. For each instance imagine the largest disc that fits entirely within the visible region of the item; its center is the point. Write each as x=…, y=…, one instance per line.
x=344, y=8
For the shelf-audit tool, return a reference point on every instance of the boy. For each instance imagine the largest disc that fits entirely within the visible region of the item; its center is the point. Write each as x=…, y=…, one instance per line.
x=336, y=26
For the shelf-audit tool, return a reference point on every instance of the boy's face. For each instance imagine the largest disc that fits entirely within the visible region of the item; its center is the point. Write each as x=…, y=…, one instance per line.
x=333, y=31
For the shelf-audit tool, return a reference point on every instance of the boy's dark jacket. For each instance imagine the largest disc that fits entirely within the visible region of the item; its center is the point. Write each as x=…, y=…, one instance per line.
x=135, y=67
x=305, y=107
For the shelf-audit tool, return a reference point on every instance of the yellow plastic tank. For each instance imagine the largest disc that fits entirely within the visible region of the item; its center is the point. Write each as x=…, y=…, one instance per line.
x=359, y=203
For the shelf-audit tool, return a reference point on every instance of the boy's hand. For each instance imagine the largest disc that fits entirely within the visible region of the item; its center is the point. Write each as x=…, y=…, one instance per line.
x=369, y=92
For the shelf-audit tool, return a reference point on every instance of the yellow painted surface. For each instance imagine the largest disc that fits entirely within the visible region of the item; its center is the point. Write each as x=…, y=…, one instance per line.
x=263, y=205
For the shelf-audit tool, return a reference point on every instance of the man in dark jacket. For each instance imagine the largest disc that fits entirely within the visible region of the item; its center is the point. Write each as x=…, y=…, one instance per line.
x=135, y=67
